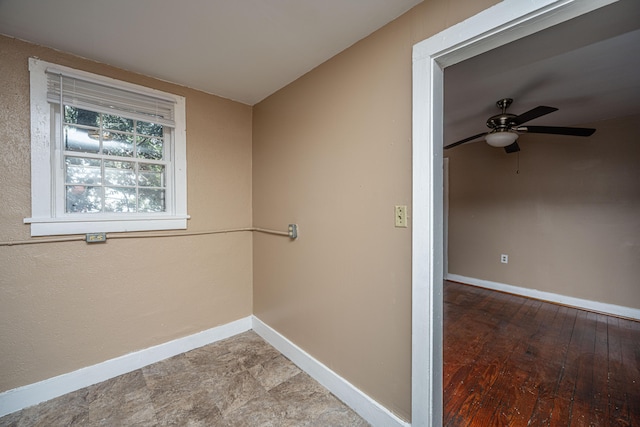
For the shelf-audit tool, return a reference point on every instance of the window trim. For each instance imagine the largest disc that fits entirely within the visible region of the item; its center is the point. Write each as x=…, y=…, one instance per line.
x=44, y=220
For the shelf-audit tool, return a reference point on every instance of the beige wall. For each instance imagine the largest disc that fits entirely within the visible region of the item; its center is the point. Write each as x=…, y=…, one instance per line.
x=65, y=306
x=332, y=152
x=569, y=221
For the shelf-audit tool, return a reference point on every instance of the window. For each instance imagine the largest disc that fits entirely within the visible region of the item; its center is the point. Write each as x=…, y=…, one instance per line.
x=105, y=155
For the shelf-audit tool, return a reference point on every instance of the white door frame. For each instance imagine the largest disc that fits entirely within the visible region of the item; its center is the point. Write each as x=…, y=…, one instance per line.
x=496, y=26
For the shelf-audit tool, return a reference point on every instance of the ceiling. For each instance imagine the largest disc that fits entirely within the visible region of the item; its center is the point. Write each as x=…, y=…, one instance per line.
x=243, y=50
x=588, y=67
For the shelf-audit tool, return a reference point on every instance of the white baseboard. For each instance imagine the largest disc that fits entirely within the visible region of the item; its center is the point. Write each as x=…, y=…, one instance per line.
x=600, y=307
x=32, y=394
x=374, y=413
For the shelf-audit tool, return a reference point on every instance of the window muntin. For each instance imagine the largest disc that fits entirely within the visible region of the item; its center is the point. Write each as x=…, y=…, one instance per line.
x=113, y=164
x=106, y=155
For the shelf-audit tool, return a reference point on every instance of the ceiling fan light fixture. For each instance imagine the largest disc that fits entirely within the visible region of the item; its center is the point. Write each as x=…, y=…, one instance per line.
x=501, y=138
x=505, y=127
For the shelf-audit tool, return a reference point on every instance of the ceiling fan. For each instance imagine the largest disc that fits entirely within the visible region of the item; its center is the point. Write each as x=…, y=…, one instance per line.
x=506, y=127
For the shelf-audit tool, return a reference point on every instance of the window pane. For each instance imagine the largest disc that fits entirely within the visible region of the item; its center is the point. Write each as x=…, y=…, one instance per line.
x=79, y=116
x=150, y=175
x=150, y=129
x=82, y=140
x=118, y=144
x=151, y=148
x=81, y=198
x=119, y=173
x=151, y=200
x=118, y=199
x=117, y=123
x=82, y=171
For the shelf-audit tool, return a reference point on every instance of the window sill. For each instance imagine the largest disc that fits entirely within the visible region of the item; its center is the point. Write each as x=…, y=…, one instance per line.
x=63, y=226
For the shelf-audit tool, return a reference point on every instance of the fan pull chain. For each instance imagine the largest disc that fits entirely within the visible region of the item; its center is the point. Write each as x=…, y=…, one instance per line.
x=518, y=165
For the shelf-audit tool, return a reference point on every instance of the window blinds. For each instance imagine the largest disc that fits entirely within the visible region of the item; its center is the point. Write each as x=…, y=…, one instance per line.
x=105, y=98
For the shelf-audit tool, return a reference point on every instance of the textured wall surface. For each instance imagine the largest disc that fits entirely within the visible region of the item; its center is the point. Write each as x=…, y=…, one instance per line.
x=332, y=152
x=64, y=306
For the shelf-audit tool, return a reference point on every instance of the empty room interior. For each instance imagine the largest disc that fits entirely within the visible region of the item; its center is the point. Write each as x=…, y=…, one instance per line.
x=553, y=218
x=272, y=223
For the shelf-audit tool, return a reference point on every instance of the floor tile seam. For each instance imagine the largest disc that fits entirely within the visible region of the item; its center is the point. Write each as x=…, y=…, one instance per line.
x=306, y=377
x=285, y=400
x=154, y=401
x=224, y=411
x=281, y=410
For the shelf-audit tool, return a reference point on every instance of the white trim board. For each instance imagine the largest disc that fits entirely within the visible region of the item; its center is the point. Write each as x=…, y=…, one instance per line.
x=32, y=394
x=584, y=304
x=363, y=405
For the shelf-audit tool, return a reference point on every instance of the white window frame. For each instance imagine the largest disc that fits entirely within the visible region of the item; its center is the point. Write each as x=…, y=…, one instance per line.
x=46, y=219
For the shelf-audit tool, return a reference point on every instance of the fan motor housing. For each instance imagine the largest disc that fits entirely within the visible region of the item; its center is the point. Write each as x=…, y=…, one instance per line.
x=501, y=121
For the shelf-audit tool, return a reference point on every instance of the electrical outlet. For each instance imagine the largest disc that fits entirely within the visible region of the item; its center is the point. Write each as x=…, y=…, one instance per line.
x=504, y=259
x=401, y=216
x=96, y=237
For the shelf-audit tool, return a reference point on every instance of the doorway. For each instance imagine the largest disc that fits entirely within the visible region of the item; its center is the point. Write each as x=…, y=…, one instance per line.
x=494, y=27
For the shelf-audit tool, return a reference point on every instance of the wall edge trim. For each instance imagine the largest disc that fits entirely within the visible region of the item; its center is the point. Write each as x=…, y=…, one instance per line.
x=361, y=403
x=29, y=395
x=584, y=304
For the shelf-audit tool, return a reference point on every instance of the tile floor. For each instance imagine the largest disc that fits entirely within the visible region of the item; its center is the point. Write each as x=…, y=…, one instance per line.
x=240, y=381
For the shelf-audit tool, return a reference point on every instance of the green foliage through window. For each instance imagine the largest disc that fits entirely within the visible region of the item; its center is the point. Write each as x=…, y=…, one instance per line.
x=113, y=163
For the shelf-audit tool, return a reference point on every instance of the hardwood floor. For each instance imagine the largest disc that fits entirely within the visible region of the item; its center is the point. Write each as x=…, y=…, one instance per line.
x=514, y=361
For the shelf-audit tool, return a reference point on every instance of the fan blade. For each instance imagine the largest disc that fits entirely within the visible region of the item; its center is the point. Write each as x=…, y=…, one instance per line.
x=558, y=130
x=533, y=114
x=513, y=148
x=462, y=141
